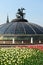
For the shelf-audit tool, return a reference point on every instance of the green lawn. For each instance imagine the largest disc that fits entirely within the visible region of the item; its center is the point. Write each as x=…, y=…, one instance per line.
x=20, y=56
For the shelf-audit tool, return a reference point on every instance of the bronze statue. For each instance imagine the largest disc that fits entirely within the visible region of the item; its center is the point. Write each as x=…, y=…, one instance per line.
x=20, y=13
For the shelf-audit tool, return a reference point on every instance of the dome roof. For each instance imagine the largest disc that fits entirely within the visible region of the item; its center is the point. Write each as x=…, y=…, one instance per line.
x=18, y=26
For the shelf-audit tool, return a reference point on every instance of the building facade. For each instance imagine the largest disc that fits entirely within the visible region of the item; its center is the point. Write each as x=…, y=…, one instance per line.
x=20, y=31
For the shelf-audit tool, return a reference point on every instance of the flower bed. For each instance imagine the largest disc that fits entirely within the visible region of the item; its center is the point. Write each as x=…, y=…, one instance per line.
x=36, y=46
x=20, y=56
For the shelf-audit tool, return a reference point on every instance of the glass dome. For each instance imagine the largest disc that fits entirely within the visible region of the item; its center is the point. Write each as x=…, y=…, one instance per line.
x=18, y=26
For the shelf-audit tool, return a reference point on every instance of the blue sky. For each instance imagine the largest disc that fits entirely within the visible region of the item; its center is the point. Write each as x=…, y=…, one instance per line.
x=34, y=10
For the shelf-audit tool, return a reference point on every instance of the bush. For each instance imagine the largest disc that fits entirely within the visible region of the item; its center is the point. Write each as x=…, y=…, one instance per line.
x=20, y=56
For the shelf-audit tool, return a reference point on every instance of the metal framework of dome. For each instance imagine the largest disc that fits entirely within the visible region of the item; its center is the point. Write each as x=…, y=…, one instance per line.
x=20, y=27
